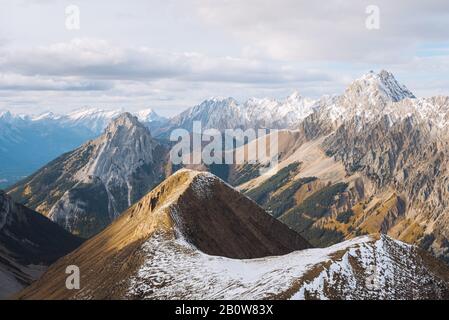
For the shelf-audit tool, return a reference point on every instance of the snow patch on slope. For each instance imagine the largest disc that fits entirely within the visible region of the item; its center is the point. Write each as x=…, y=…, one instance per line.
x=176, y=270
x=361, y=268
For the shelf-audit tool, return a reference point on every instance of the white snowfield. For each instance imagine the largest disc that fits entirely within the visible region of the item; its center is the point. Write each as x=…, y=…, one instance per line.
x=361, y=268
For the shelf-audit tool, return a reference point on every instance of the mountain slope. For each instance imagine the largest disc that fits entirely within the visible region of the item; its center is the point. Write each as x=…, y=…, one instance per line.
x=29, y=243
x=86, y=189
x=165, y=248
x=391, y=151
x=196, y=207
x=28, y=142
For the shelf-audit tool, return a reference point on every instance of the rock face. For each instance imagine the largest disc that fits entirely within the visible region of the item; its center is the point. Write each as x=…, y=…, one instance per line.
x=29, y=242
x=194, y=237
x=29, y=142
x=389, y=148
x=400, y=144
x=86, y=189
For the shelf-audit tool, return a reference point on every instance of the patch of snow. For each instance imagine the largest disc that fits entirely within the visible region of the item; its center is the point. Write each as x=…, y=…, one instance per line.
x=174, y=269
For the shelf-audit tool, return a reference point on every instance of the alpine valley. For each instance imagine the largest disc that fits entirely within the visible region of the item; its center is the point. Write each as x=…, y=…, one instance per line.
x=356, y=208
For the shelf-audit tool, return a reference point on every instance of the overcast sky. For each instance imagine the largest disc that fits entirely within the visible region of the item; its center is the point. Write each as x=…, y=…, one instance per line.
x=170, y=55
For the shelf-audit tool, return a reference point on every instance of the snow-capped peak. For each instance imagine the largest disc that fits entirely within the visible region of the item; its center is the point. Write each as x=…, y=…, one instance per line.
x=378, y=86
x=126, y=120
x=85, y=113
x=295, y=96
x=274, y=113
x=5, y=115
x=148, y=115
x=46, y=116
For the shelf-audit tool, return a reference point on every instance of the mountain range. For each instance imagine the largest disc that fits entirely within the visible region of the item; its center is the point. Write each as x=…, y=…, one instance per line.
x=372, y=160
x=86, y=189
x=195, y=237
x=361, y=175
x=28, y=142
x=41, y=138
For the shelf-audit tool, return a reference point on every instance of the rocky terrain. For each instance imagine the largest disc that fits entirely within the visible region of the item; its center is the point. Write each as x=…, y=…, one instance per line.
x=381, y=155
x=196, y=207
x=27, y=142
x=29, y=243
x=84, y=190
x=194, y=237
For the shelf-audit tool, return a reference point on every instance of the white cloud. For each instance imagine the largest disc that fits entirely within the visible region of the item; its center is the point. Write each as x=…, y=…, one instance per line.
x=171, y=54
x=18, y=82
x=331, y=30
x=98, y=59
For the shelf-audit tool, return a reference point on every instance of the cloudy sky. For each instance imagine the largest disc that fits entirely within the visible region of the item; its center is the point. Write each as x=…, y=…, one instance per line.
x=172, y=54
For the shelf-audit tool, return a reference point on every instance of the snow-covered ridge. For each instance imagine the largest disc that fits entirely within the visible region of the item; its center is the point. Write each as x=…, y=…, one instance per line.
x=375, y=97
x=226, y=113
x=346, y=267
x=93, y=119
x=369, y=97
x=286, y=112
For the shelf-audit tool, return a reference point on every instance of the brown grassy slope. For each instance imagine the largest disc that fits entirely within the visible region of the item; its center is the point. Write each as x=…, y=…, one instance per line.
x=211, y=215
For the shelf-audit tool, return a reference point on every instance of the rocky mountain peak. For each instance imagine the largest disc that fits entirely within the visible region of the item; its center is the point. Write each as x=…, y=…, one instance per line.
x=212, y=216
x=126, y=121
x=126, y=145
x=378, y=87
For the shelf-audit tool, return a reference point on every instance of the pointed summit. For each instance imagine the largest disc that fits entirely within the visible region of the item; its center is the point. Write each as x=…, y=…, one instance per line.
x=217, y=219
x=149, y=115
x=378, y=87
x=126, y=120
x=88, y=188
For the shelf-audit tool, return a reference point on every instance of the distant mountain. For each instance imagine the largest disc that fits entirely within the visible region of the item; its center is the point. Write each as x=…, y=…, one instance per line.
x=149, y=116
x=92, y=119
x=227, y=113
x=28, y=142
x=217, y=113
x=84, y=190
x=194, y=237
x=29, y=243
x=274, y=114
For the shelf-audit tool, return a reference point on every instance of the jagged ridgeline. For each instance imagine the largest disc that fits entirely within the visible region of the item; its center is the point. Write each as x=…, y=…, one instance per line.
x=195, y=237
x=86, y=189
x=380, y=158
